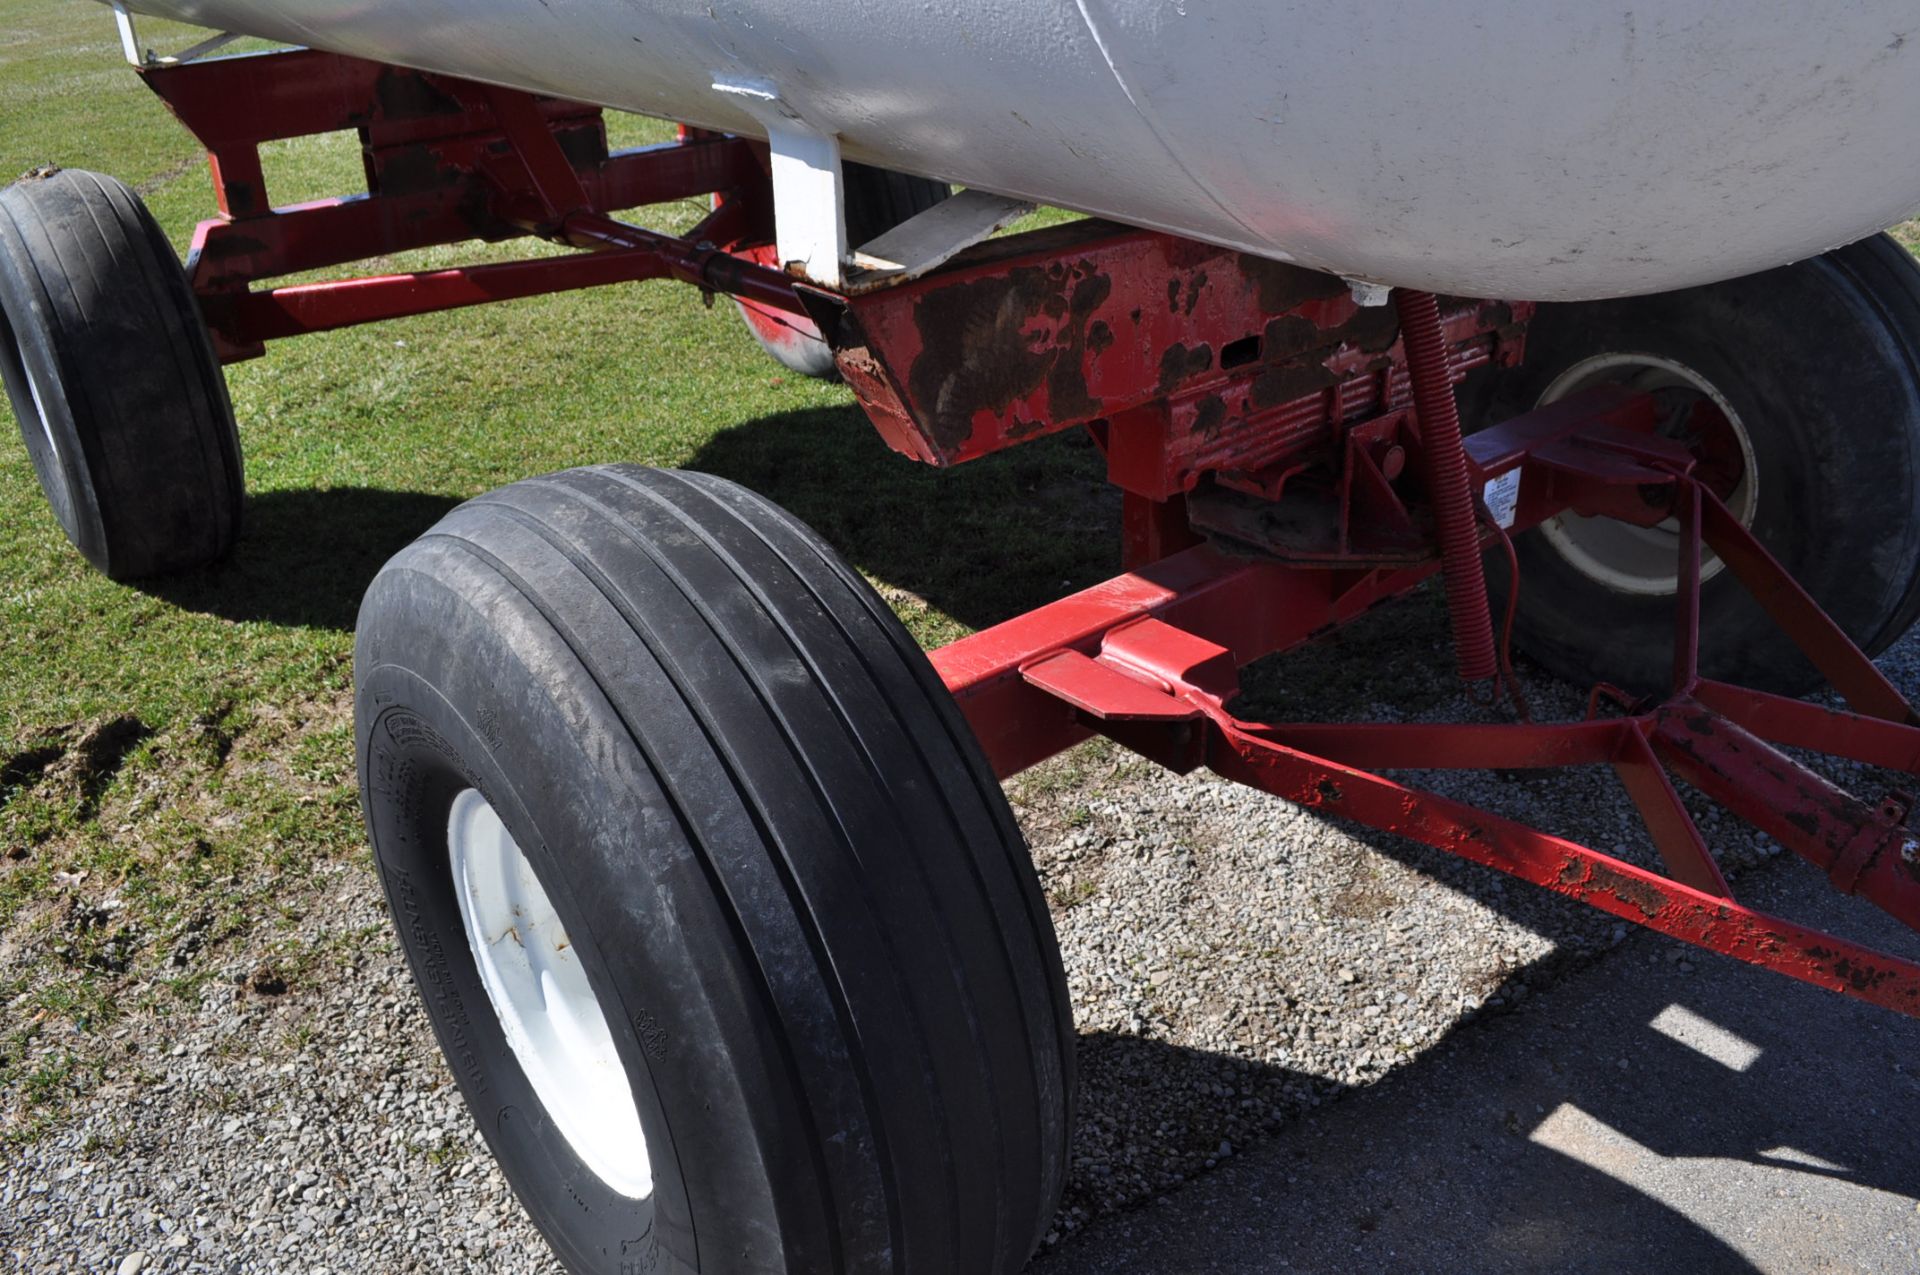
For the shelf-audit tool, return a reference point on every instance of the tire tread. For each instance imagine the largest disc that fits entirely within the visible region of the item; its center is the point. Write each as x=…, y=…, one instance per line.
x=977, y=1068
x=135, y=370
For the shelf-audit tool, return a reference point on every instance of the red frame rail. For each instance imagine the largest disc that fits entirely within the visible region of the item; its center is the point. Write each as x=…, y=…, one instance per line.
x=1284, y=452
x=446, y=161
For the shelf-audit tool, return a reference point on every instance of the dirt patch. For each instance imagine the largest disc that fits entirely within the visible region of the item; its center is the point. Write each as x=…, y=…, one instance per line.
x=147, y=861
x=78, y=760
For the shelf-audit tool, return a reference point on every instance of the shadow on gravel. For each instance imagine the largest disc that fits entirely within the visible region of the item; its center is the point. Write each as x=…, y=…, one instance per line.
x=1133, y=1088
x=1643, y=1115
x=305, y=557
x=982, y=541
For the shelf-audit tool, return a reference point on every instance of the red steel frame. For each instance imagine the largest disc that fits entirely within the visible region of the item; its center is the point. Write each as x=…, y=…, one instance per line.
x=446, y=161
x=1289, y=460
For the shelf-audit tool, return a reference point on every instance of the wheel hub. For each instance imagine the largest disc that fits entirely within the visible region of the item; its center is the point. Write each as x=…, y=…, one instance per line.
x=1645, y=560
x=539, y=991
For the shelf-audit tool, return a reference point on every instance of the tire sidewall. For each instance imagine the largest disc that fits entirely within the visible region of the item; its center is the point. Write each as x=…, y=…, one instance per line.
x=26, y=345
x=418, y=753
x=145, y=476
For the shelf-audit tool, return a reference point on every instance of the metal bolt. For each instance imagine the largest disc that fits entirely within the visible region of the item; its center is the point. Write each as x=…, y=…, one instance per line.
x=1368, y=294
x=1393, y=462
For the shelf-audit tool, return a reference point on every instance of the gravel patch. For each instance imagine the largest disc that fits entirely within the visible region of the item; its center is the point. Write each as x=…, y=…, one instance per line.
x=1235, y=962
x=284, y=1123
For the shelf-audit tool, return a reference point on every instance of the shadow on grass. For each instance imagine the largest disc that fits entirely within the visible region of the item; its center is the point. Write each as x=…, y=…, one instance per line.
x=305, y=557
x=980, y=542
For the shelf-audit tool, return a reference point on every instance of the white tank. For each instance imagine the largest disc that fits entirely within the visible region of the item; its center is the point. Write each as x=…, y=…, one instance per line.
x=1536, y=149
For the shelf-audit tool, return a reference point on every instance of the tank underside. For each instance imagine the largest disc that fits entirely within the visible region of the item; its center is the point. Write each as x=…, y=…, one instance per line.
x=1544, y=149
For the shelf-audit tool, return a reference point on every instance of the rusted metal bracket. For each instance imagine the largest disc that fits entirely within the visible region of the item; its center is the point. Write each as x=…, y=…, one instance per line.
x=1198, y=359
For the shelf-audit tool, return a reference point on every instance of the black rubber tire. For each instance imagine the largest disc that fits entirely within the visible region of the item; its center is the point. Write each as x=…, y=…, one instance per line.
x=138, y=457
x=795, y=885
x=877, y=200
x=1821, y=361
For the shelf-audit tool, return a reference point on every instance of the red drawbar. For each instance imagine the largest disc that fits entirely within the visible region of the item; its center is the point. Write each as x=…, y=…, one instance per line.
x=1150, y=659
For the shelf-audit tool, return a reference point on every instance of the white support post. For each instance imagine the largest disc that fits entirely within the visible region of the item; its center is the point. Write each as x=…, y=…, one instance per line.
x=809, y=195
x=129, y=38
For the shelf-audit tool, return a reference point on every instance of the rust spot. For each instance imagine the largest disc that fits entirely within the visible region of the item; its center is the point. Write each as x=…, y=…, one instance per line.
x=1212, y=412
x=1373, y=328
x=1281, y=287
x=1861, y=978
x=1804, y=820
x=1198, y=282
x=981, y=350
x=1284, y=384
x=1328, y=790
x=1600, y=879
x=1099, y=337
x=1178, y=363
x=1067, y=396
x=1290, y=336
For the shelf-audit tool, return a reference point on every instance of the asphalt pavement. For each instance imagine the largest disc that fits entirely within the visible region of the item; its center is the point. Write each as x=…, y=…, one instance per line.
x=1662, y=1110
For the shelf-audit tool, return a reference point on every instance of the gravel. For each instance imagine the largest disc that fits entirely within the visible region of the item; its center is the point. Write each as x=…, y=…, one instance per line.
x=281, y=1125
x=1235, y=963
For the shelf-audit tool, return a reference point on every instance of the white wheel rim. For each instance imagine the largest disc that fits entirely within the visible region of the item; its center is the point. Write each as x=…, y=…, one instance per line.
x=1623, y=557
x=539, y=991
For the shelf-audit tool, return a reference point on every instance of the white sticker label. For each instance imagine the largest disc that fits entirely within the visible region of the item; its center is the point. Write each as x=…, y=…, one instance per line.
x=1502, y=495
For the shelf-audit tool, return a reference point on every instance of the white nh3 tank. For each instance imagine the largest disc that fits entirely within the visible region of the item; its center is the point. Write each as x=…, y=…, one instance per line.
x=1536, y=149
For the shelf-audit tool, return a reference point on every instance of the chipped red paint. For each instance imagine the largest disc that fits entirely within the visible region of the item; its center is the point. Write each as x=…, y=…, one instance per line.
x=1199, y=359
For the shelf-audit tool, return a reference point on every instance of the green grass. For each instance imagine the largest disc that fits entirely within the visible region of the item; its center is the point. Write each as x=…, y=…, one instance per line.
x=135, y=858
